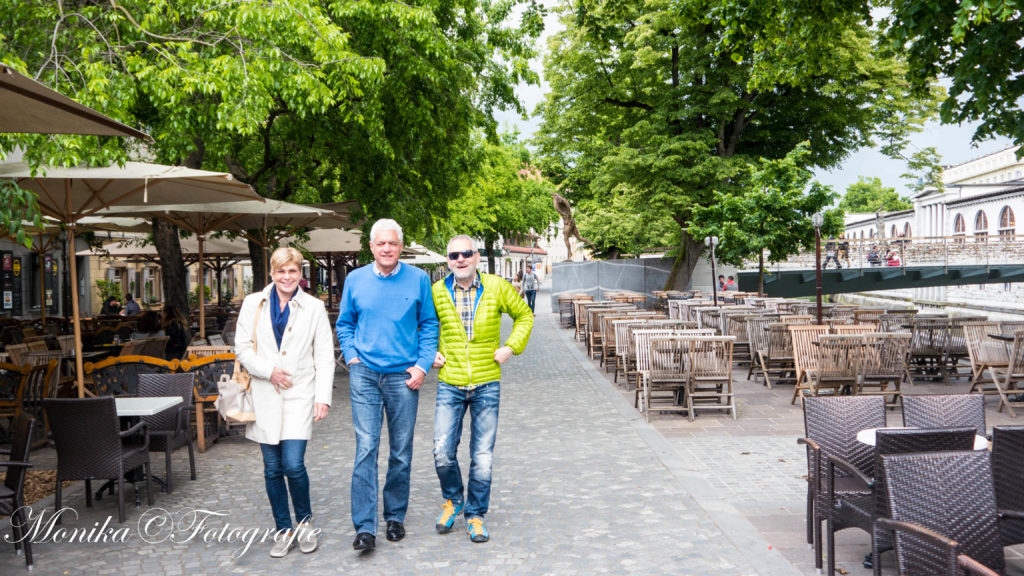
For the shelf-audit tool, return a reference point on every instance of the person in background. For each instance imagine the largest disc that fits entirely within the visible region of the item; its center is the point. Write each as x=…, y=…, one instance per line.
x=176, y=328
x=730, y=285
x=148, y=326
x=831, y=253
x=517, y=283
x=721, y=282
x=530, y=285
x=110, y=306
x=131, y=307
x=893, y=259
x=283, y=338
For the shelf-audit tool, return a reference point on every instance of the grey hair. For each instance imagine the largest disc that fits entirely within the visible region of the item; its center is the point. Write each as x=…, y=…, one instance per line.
x=461, y=237
x=386, y=224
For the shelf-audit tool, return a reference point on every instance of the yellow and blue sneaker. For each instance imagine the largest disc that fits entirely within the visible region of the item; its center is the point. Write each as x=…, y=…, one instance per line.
x=447, y=518
x=477, y=531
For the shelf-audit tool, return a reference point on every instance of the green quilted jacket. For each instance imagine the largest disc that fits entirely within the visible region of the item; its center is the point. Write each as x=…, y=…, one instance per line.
x=472, y=362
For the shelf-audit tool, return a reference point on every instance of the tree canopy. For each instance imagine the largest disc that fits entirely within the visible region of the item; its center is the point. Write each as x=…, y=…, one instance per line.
x=306, y=100
x=649, y=102
x=771, y=216
x=869, y=195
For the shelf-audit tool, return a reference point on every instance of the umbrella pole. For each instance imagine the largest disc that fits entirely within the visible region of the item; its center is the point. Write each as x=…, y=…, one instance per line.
x=330, y=281
x=202, y=290
x=79, y=373
x=42, y=283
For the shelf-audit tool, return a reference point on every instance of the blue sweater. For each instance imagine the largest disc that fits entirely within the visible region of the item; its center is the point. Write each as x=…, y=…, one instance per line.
x=388, y=323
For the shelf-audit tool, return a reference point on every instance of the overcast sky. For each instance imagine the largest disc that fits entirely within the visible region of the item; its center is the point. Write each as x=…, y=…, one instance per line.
x=952, y=142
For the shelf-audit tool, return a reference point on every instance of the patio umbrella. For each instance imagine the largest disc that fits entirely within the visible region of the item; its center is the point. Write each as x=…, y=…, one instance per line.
x=423, y=255
x=26, y=106
x=70, y=194
x=269, y=218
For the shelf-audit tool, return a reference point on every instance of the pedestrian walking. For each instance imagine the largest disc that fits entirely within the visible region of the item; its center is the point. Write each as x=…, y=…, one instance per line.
x=470, y=354
x=387, y=329
x=283, y=338
x=530, y=285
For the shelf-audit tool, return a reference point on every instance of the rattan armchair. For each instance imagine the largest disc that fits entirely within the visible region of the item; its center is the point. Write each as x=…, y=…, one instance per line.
x=40, y=383
x=945, y=410
x=172, y=428
x=831, y=424
x=90, y=444
x=12, y=387
x=1008, y=475
x=942, y=508
x=12, y=491
x=858, y=511
x=119, y=375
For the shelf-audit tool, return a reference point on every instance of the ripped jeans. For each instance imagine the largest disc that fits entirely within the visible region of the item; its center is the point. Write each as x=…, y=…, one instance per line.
x=452, y=402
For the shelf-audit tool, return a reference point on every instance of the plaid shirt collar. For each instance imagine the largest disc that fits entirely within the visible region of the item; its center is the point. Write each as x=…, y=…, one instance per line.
x=465, y=303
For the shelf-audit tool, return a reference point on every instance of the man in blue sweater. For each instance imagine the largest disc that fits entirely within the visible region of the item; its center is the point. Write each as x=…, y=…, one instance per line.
x=387, y=329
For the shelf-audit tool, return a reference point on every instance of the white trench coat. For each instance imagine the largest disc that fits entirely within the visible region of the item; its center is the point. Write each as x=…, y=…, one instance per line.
x=307, y=353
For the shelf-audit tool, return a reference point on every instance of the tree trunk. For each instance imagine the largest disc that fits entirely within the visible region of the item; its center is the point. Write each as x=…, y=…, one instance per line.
x=259, y=273
x=492, y=261
x=686, y=260
x=172, y=265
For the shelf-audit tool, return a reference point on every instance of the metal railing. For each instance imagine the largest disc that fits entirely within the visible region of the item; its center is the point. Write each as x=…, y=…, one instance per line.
x=961, y=250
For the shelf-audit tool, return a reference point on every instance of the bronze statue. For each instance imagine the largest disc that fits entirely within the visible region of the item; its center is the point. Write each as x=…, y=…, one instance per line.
x=569, y=230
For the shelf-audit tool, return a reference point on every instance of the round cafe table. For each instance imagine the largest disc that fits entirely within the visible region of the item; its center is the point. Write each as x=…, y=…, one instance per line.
x=868, y=435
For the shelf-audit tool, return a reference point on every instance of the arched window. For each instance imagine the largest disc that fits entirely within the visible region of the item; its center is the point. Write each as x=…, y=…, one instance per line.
x=872, y=232
x=959, y=228
x=980, y=226
x=906, y=230
x=1007, y=224
x=861, y=234
x=892, y=231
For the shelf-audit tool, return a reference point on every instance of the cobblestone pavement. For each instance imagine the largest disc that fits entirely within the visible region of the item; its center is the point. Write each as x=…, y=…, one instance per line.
x=582, y=485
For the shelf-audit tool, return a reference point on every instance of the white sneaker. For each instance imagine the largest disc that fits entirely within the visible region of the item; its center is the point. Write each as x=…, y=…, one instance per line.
x=307, y=537
x=283, y=543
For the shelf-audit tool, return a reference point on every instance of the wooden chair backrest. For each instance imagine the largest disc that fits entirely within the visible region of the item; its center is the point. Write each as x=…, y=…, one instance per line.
x=805, y=353
x=712, y=357
x=980, y=348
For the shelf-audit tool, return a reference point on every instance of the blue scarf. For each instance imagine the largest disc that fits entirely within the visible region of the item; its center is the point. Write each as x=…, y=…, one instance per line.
x=278, y=317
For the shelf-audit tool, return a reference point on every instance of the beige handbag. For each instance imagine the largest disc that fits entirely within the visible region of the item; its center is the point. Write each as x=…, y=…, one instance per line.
x=234, y=402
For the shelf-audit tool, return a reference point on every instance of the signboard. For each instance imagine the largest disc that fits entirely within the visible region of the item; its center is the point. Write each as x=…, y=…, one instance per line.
x=7, y=283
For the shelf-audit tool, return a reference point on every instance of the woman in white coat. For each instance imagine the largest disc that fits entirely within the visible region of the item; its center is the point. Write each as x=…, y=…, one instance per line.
x=284, y=339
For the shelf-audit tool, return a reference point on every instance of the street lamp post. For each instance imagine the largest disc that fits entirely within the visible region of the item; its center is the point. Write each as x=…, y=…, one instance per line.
x=817, y=219
x=711, y=242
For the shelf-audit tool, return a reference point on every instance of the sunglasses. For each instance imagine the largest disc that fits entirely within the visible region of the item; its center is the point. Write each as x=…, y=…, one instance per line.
x=467, y=254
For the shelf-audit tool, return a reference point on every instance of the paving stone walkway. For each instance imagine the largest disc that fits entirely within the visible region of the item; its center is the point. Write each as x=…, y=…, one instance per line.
x=582, y=485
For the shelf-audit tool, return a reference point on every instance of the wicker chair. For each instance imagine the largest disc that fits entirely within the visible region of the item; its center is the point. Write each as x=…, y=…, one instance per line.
x=945, y=410
x=709, y=386
x=805, y=354
x=885, y=363
x=949, y=526
x=12, y=491
x=90, y=444
x=1006, y=379
x=208, y=371
x=858, y=511
x=119, y=375
x=172, y=428
x=830, y=427
x=1008, y=474
x=13, y=378
x=40, y=383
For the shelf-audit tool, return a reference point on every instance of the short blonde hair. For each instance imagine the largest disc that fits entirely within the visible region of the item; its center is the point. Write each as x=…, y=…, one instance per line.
x=285, y=255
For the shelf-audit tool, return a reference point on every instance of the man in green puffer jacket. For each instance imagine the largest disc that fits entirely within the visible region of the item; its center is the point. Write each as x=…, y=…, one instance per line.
x=469, y=353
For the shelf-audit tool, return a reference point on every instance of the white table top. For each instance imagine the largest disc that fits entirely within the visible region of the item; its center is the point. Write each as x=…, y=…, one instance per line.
x=868, y=437
x=135, y=406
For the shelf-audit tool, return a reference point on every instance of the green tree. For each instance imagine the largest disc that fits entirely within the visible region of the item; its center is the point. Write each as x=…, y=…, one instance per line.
x=869, y=195
x=772, y=214
x=508, y=196
x=973, y=43
x=648, y=100
x=617, y=232
x=924, y=170
x=306, y=100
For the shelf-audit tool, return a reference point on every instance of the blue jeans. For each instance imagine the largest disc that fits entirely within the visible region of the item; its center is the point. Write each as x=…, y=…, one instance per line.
x=286, y=460
x=373, y=395
x=531, y=298
x=450, y=409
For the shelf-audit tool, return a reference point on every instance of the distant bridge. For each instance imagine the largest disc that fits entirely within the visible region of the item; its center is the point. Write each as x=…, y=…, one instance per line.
x=923, y=262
